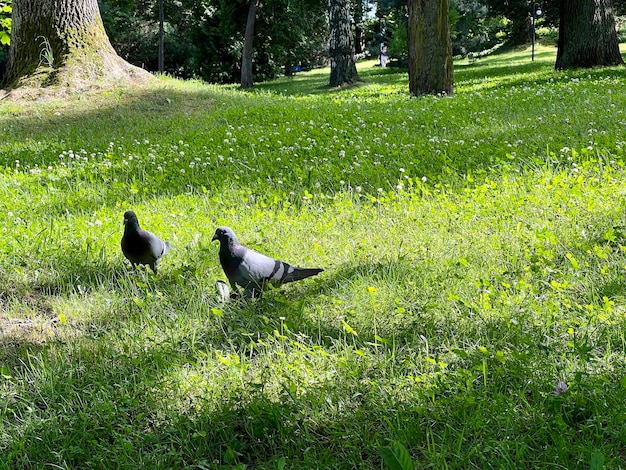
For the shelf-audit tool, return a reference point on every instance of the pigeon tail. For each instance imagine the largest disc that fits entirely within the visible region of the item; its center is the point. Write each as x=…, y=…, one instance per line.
x=301, y=273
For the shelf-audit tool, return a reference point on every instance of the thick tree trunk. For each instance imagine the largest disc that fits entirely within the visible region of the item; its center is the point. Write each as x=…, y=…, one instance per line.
x=247, y=80
x=62, y=42
x=341, y=50
x=587, y=35
x=430, y=48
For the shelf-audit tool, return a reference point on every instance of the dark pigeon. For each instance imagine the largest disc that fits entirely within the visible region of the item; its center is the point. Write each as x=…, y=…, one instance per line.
x=254, y=271
x=140, y=246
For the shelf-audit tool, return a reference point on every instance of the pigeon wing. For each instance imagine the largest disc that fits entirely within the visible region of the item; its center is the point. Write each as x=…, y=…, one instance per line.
x=262, y=270
x=144, y=248
x=254, y=270
x=158, y=249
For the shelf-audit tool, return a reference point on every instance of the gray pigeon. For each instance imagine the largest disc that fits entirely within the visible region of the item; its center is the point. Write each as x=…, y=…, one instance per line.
x=140, y=246
x=254, y=271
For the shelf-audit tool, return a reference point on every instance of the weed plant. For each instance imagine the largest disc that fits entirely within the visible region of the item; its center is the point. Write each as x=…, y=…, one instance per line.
x=472, y=312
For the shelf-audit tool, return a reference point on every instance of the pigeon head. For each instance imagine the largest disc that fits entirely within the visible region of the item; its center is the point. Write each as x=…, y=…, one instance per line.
x=225, y=234
x=130, y=218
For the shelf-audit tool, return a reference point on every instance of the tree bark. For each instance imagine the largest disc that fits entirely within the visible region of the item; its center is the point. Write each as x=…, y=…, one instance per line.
x=587, y=35
x=161, y=59
x=520, y=29
x=247, y=79
x=341, y=50
x=430, y=48
x=62, y=42
x=359, y=31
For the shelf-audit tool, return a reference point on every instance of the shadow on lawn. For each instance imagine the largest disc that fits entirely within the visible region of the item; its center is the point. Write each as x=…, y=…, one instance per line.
x=343, y=418
x=119, y=395
x=300, y=309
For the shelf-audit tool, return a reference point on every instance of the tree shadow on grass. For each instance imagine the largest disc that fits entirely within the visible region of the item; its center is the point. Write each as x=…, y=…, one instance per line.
x=71, y=296
x=256, y=426
x=247, y=424
x=302, y=309
x=129, y=411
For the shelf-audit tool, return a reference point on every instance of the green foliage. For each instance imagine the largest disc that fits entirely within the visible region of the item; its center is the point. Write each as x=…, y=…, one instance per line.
x=396, y=456
x=473, y=29
x=5, y=33
x=397, y=31
x=471, y=308
x=5, y=22
x=205, y=38
x=287, y=33
x=133, y=28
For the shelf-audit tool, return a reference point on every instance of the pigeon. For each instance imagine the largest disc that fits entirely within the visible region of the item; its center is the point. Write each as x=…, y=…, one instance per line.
x=140, y=246
x=254, y=271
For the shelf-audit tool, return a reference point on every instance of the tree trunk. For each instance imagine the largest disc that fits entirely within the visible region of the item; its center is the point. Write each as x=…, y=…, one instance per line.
x=359, y=41
x=246, y=55
x=62, y=42
x=521, y=25
x=359, y=31
x=341, y=50
x=430, y=48
x=587, y=35
x=161, y=60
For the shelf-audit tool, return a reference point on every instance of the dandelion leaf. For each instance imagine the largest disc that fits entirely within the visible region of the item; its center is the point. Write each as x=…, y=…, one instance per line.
x=396, y=456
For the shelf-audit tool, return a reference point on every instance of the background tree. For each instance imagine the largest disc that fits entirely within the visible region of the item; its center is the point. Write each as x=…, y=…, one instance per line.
x=305, y=42
x=430, y=48
x=472, y=29
x=219, y=27
x=587, y=35
x=341, y=48
x=517, y=12
x=161, y=36
x=246, y=56
x=133, y=29
x=64, y=42
x=518, y=15
x=218, y=30
x=389, y=28
x=360, y=10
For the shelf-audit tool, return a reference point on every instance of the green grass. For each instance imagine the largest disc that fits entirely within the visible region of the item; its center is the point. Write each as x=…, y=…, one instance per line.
x=474, y=249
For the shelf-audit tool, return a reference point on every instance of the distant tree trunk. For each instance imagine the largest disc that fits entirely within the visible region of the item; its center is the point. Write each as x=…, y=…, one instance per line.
x=359, y=31
x=288, y=69
x=587, y=35
x=247, y=80
x=430, y=48
x=161, y=38
x=62, y=42
x=520, y=28
x=341, y=51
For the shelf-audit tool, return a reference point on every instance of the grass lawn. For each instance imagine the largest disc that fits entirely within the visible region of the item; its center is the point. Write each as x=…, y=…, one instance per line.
x=472, y=311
